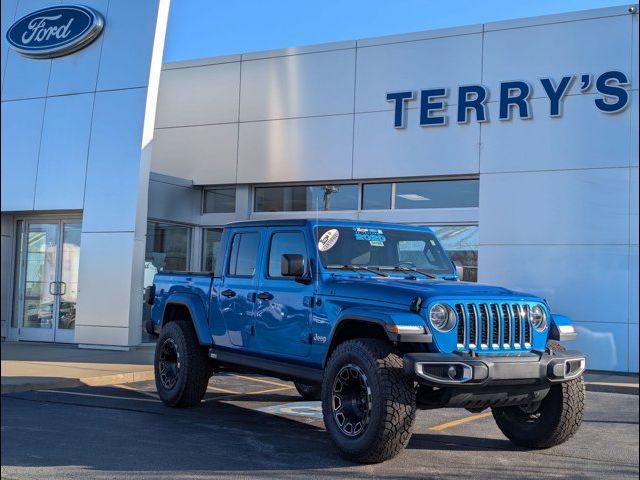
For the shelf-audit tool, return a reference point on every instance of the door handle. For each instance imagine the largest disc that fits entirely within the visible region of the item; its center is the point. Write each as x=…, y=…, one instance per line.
x=265, y=296
x=62, y=291
x=228, y=293
x=50, y=285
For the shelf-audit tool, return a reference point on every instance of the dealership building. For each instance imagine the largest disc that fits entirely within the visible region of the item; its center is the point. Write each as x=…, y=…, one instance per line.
x=516, y=141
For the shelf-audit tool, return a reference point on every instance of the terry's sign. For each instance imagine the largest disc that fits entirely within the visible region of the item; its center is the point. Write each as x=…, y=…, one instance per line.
x=55, y=31
x=471, y=100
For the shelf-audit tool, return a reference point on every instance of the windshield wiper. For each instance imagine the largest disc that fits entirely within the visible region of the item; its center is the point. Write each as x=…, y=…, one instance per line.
x=403, y=268
x=356, y=268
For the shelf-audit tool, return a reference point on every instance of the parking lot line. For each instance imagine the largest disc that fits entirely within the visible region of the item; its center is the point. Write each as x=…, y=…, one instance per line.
x=459, y=421
x=270, y=382
x=272, y=390
x=242, y=394
x=82, y=394
x=223, y=390
x=131, y=389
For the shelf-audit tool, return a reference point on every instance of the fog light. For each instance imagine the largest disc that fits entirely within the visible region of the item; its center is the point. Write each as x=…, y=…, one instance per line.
x=452, y=372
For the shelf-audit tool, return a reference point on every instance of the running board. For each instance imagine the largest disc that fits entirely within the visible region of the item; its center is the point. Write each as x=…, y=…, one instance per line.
x=273, y=368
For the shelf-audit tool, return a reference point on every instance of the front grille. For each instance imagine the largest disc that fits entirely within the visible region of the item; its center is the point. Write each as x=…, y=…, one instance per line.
x=496, y=326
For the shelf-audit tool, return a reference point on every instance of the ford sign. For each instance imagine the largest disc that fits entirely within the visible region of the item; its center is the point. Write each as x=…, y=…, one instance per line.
x=55, y=31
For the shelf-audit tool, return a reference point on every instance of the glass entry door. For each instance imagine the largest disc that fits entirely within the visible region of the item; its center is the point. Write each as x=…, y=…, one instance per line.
x=48, y=287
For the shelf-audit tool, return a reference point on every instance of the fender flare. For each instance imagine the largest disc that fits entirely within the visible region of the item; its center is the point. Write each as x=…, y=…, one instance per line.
x=197, y=313
x=382, y=317
x=561, y=328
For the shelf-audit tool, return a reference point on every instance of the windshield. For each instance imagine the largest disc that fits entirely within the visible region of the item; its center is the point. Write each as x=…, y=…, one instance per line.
x=381, y=249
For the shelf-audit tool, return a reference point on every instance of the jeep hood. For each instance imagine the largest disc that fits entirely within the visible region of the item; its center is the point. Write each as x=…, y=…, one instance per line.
x=401, y=291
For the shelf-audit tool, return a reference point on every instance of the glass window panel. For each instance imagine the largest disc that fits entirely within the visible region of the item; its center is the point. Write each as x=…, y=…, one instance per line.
x=461, y=243
x=376, y=196
x=220, y=200
x=244, y=254
x=437, y=194
x=281, y=243
x=168, y=248
x=210, y=246
x=69, y=275
x=301, y=198
x=40, y=275
x=16, y=273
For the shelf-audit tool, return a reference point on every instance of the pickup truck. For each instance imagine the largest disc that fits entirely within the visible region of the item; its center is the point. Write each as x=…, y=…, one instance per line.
x=369, y=318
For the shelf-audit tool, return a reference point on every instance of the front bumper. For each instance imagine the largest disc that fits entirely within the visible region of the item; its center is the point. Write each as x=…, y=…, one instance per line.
x=467, y=371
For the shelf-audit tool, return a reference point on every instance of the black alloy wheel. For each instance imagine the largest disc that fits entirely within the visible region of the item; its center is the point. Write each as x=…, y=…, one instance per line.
x=169, y=364
x=351, y=400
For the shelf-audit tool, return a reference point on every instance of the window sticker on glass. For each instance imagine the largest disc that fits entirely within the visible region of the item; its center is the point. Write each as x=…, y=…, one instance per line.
x=374, y=236
x=328, y=239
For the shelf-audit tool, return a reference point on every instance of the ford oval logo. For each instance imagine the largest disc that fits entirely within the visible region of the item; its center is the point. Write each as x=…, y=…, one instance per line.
x=55, y=31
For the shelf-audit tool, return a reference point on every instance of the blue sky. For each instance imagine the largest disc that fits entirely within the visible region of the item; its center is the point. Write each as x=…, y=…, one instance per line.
x=205, y=28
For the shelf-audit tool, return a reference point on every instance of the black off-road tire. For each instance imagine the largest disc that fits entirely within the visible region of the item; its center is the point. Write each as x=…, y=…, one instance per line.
x=309, y=392
x=560, y=415
x=393, y=401
x=194, y=366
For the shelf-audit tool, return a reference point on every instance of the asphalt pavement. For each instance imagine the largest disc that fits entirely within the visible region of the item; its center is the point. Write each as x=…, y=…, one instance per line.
x=258, y=427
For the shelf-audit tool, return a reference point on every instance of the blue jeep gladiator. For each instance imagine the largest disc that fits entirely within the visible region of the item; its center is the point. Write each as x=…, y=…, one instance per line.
x=371, y=319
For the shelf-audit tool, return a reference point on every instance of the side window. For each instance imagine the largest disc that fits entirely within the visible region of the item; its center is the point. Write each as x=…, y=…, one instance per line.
x=281, y=243
x=244, y=254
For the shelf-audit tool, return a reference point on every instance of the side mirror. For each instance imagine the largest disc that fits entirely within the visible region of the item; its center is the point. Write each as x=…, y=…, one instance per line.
x=292, y=265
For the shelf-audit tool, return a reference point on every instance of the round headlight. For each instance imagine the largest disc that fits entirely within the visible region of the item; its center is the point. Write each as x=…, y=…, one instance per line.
x=538, y=317
x=442, y=317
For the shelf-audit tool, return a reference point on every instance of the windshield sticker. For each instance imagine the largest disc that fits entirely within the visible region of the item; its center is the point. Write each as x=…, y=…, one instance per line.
x=328, y=239
x=374, y=236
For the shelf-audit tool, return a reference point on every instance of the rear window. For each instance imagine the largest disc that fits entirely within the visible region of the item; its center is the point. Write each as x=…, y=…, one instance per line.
x=244, y=254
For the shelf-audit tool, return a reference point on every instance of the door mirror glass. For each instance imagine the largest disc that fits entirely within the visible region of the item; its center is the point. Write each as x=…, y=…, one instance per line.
x=292, y=265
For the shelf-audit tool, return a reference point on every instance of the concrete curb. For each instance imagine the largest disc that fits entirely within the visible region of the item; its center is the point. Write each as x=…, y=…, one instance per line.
x=99, y=381
x=612, y=388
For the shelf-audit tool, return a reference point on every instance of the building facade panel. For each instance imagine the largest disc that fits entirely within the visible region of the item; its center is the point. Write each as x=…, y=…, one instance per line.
x=594, y=284
x=302, y=149
x=205, y=154
x=24, y=78
x=110, y=254
x=63, y=148
x=298, y=86
x=434, y=63
x=379, y=150
x=634, y=52
x=635, y=127
x=113, y=171
x=201, y=95
x=78, y=73
x=633, y=347
x=610, y=341
x=21, y=126
x=566, y=207
x=127, y=44
x=633, y=205
x=180, y=203
x=7, y=14
x=634, y=308
x=557, y=49
x=516, y=145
